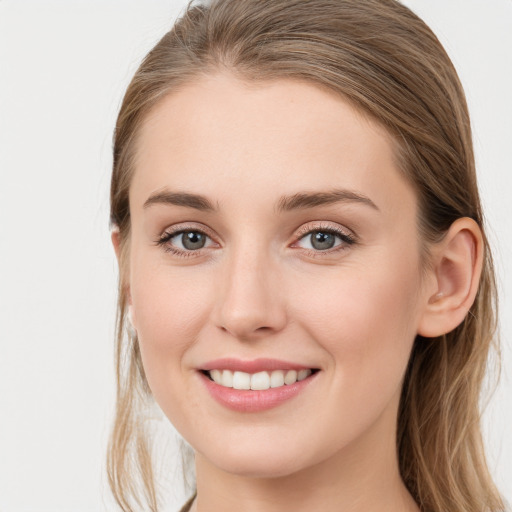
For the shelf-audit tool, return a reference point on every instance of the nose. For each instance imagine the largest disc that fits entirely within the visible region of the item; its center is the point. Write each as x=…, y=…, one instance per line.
x=250, y=304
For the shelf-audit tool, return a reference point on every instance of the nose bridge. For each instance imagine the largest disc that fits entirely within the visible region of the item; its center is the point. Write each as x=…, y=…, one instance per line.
x=250, y=303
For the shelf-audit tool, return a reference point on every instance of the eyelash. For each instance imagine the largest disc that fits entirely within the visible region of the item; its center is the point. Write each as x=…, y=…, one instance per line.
x=346, y=238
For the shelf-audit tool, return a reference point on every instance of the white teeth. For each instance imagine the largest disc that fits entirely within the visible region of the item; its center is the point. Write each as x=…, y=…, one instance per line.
x=290, y=377
x=241, y=380
x=227, y=379
x=216, y=375
x=303, y=374
x=277, y=379
x=258, y=381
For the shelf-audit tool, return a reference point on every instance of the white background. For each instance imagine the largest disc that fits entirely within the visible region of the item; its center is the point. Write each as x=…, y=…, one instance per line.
x=64, y=66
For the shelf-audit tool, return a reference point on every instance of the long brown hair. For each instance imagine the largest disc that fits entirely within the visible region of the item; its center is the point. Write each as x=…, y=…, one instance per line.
x=381, y=57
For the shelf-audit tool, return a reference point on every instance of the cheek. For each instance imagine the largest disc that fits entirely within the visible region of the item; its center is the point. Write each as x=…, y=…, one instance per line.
x=168, y=305
x=366, y=323
x=166, y=300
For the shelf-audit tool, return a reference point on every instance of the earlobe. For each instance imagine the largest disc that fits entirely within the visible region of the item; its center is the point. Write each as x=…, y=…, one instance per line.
x=116, y=241
x=456, y=270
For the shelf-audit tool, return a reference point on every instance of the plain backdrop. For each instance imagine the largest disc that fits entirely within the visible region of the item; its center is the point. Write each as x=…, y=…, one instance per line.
x=64, y=66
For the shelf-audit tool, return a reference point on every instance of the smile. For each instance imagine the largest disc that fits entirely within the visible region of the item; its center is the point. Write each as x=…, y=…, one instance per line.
x=259, y=381
x=256, y=385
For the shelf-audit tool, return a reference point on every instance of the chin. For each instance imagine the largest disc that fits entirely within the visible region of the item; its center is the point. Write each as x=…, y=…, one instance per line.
x=257, y=460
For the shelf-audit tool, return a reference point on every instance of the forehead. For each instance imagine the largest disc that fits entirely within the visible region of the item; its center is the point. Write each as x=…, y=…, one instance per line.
x=219, y=135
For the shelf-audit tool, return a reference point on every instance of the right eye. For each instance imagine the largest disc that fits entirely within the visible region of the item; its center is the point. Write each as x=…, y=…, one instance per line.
x=184, y=242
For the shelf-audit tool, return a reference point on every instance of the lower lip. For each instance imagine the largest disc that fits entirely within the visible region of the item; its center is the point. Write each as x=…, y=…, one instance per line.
x=241, y=400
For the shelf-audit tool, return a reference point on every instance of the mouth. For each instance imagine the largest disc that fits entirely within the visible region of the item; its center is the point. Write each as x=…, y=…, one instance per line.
x=259, y=381
x=257, y=385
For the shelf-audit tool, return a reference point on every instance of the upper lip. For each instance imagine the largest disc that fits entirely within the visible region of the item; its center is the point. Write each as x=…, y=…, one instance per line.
x=252, y=366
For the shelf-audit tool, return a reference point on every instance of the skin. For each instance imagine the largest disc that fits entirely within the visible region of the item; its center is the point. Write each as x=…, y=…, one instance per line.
x=259, y=288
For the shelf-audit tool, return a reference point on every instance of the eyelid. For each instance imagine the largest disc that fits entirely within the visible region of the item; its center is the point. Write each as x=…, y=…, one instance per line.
x=323, y=225
x=186, y=226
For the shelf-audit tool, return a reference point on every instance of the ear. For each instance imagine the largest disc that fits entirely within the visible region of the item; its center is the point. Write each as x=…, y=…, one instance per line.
x=116, y=243
x=456, y=268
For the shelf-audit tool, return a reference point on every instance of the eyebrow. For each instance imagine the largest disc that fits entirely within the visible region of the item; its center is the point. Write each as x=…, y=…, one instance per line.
x=298, y=201
x=196, y=201
x=302, y=200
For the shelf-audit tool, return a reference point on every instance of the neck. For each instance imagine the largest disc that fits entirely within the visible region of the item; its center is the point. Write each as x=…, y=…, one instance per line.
x=362, y=476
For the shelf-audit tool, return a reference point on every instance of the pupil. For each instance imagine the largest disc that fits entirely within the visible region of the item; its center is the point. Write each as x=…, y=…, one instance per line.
x=322, y=241
x=192, y=240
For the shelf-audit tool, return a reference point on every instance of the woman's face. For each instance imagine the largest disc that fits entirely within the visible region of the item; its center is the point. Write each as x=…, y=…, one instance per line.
x=302, y=253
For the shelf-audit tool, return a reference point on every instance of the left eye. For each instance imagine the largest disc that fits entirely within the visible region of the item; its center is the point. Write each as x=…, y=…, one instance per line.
x=325, y=239
x=193, y=240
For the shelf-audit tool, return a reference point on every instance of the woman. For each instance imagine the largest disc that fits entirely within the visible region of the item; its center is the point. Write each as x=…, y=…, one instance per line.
x=304, y=276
